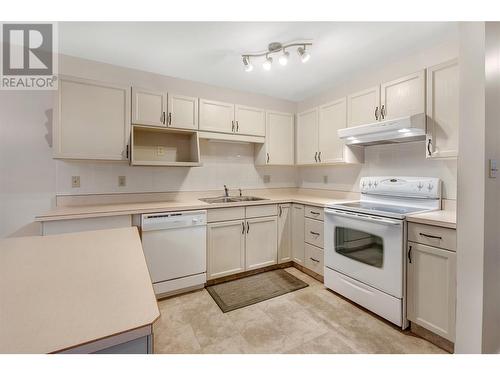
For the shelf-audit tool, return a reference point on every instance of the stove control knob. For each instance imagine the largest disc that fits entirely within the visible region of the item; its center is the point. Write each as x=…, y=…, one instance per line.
x=420, y=186
x=429, y=187
x=363, y=184
x=369, y=184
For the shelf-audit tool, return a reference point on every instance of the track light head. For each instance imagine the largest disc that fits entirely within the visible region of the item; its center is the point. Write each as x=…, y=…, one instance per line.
x=268, y=63
x=247, y=64
x=283, y=59
x=304, y=55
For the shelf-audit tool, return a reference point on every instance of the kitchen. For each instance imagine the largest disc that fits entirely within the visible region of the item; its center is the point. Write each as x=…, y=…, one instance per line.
x=265, y=204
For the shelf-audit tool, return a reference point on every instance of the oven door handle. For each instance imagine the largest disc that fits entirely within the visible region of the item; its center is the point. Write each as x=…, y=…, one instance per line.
x=353, y=215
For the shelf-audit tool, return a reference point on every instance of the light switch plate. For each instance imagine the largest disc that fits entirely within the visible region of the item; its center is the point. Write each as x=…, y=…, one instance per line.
x=267, y=178
x=493, y=168
x=75, y=181
x=122, y=181
x=160, y=151
x=325, y=179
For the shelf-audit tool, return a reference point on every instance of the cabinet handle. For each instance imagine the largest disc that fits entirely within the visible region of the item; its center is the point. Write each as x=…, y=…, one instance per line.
x=376, y=113
x=243, y=227
x=298, y=208
x=314, y=260
x=170, y=118
x=431, y=236
x=429, y=143
x=126, y=151
x=314, y=233
x=319, y=156
x=382, y=111
x=409, y=254
x=237, y=126
x=267, y=158
x=316, y=156
x=162, y=120
x=314, y=212
x=280, y=211
x=248, y=227
x=232, y=126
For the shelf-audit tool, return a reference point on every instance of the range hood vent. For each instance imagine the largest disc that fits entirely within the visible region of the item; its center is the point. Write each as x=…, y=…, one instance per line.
x=404, y=129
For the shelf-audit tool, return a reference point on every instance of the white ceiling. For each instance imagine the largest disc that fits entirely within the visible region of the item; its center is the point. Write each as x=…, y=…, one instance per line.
x=210, y=52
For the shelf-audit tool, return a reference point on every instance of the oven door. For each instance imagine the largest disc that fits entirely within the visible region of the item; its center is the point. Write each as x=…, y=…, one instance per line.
x=366, y=248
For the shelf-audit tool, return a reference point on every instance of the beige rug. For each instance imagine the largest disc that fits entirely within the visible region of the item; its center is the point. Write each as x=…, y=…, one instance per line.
x=236, y=294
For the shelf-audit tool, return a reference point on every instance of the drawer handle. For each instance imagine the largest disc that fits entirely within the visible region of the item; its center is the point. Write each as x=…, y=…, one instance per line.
x=409, y=254
x=315, y=233
x=314, y=212
x=314, y=260
x=431, y=236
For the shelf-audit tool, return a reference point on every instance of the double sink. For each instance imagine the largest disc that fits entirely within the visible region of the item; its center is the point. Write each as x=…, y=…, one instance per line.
x=231, y=199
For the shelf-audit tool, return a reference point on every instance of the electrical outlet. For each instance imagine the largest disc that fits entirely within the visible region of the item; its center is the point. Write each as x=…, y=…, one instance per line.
x=75, y=181
x=325, y=179
x=267, y=178
x=122, y=181
x=160, y=150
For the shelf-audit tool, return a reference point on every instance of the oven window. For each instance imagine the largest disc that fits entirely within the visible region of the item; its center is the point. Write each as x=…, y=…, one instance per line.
x=360, y=246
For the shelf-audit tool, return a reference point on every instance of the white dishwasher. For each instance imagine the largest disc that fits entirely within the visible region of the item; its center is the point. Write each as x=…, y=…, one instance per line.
x=174, y=244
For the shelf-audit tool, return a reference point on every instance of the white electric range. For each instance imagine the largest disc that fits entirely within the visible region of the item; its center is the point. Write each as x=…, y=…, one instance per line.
x=365, y=242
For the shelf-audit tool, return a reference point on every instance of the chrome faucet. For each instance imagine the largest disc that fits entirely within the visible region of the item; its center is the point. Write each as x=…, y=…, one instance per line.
x=226, y=191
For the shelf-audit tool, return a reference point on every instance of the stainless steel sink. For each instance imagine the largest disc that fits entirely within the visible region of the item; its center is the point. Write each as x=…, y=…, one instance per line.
x=231, y=199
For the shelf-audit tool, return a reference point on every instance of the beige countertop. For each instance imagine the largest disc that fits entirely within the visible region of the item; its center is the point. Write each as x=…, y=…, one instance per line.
x=62, y=291
x=441, y=218
x=189, y=203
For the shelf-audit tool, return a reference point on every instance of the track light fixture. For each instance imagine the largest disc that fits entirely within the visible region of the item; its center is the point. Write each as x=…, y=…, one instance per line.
x=276, y=47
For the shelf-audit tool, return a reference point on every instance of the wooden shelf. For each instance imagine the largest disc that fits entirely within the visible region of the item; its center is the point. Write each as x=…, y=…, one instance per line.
x=162, y=146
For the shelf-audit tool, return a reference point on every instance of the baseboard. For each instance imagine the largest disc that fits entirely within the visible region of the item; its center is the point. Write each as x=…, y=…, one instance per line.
x=248, y=273
x=432, y=337
x=307, y=271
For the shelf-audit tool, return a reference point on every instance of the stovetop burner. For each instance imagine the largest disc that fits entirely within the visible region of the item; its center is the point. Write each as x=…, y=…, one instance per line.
x=372, y=206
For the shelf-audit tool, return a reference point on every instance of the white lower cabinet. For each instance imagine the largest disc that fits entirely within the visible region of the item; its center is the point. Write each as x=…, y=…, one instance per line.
x=431, y=294
x=298, y=233
x=314, y=258
x=284, y=233
x=226, y=248
x=261, y=242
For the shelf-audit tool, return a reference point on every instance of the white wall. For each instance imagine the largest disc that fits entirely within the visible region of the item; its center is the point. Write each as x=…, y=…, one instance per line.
x=471, y=180
x=30, y=178
x=491, y=279
x=404, y=159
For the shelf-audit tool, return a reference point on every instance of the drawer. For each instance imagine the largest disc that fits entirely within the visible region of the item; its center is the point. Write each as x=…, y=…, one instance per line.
x=225, y=214
x=313, y=212
x=445, y=238
x=261, y=210
x=314, y=258
x=313, y=232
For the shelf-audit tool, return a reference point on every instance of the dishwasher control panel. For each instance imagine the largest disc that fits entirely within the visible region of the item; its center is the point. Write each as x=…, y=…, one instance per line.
x=170, y=220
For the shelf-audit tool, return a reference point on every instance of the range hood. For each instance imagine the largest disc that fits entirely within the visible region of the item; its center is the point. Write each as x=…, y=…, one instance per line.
x=404, y=129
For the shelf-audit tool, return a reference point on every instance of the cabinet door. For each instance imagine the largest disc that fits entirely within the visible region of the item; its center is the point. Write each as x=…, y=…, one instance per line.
x=404, y=96
x=148, y=107
x=216, y=116
x=284, y=233
x=279, y=138
x=261, y=242
x=363, y=107
x=442, y=110
x=225, y=248
x=307, y=137
x=332, y=117
x=250, y=121
x=182, y=112
x=298, y=233
x=92, y=120
x=432, y=289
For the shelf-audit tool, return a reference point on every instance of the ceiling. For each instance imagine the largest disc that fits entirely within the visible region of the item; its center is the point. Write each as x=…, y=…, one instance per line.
x=210, y=52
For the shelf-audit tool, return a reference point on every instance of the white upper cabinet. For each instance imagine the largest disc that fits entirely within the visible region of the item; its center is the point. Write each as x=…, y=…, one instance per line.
x=402, y=97
x=278, y=148
x=332, y=117
x=250, y=121
x=307, y=137
x=91, y=120
x=216, y=116
x=442, y=110
x=148, y=107
x=363, y=107
x=182, y=112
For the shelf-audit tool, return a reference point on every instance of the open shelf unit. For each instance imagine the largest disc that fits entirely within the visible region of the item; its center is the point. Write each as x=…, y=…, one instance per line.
x=155, y=146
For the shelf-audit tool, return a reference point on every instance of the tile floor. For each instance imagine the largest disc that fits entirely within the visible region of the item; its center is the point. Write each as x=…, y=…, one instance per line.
x=310, y=320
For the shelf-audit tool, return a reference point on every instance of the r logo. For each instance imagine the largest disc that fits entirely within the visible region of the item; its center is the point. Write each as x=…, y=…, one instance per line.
x=27, y=49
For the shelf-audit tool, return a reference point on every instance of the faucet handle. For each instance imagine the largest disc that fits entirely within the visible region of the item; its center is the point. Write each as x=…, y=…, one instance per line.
x=240, y=191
